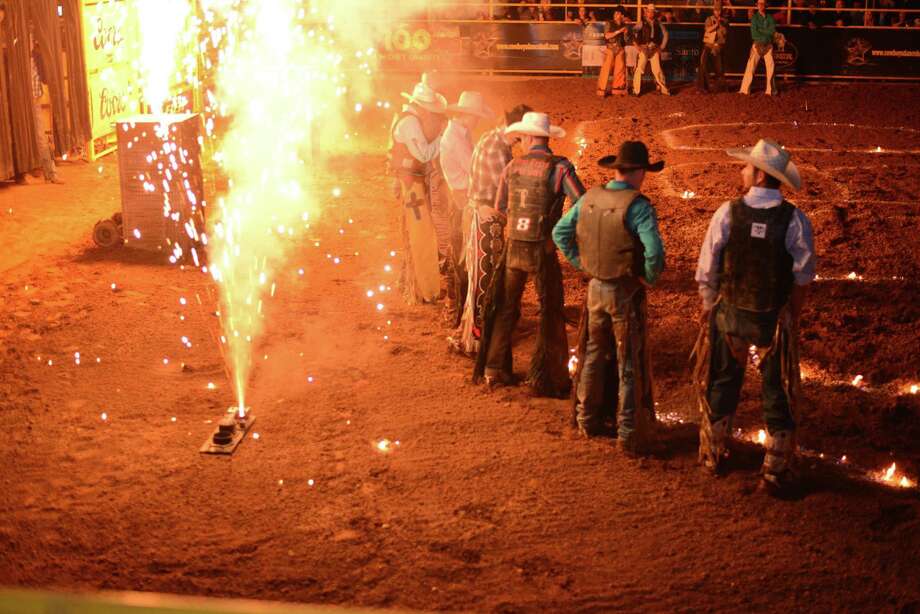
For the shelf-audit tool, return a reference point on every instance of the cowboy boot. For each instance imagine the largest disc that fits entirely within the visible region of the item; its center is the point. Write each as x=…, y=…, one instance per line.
x=714, y=439
x=777, y=463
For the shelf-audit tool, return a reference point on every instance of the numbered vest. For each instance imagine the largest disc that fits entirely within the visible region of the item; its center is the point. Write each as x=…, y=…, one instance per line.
x=399, y=160
x=606, y=247
x=531, y=197
x=756, y=268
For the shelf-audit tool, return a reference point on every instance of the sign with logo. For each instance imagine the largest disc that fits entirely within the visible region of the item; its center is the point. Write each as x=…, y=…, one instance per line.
x=523, y=46
x=110, y=41
x=113, y=94
x=420, y=46
x=110, y=33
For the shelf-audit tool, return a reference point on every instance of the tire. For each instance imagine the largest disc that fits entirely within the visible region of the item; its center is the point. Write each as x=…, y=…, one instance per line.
x=106, y=234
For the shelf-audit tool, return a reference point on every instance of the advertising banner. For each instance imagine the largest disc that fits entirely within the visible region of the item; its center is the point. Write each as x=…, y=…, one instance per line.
x=593, y=44
x=830, y=51
x=419, y=46
x=110, y=35
x=113, y=94
x=526, y=46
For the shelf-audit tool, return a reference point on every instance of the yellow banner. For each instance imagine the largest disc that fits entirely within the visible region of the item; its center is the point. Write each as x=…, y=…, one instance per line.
x=113, y=94
x=111, y=33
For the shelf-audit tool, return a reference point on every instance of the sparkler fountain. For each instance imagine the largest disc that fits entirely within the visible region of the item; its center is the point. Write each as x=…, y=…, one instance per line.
x=281, y=68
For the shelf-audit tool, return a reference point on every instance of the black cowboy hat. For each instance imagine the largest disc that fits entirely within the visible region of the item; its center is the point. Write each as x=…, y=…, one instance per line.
x=633, y=155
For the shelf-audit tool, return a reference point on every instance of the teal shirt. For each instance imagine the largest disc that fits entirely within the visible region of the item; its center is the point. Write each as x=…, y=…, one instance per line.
x=640, y=220
x=762, y=28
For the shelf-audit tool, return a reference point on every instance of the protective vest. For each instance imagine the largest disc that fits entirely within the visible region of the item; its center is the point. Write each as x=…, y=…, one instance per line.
x=650, y=33
x=399, y=159
x=531, y=197
x=606, y=247
x=756, y=268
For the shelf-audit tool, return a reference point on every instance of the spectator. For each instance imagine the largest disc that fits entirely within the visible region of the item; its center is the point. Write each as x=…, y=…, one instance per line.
x=902, y=21
x=585, y=16
x=651, y=39
x=527, y=11
x=504, y=13
x=813, y=19
x=840, y=17
x=714, y=36
x=799, y=13
x=39, y=82
x=667, y=15
x=885, y=18
x=763, y=28
x=868, y=19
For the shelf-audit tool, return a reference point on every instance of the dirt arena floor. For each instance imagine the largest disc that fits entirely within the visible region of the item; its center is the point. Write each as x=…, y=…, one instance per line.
x=485, y=501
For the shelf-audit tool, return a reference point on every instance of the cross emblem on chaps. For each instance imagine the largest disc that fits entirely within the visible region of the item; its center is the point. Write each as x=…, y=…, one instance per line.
x=415, y=203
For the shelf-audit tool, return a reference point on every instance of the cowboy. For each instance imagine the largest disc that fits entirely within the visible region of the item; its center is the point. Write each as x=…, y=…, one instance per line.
x=456, y=157
x=715, y=33
x=755, y=264
x=532, y=190
x=611, y=234
x=651, y=39
x=414, y=143
x=438, y=192
x=618, y=34
x=763, y=28
x=484, y=233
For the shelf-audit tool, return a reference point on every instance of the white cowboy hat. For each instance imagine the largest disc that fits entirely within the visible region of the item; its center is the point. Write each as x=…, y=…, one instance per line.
x=535, y=124
x=472, y=103
x=427, y=98
x=770, y=157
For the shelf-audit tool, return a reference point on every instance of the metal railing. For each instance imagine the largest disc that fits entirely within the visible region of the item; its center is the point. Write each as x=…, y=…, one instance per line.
x=460, y=11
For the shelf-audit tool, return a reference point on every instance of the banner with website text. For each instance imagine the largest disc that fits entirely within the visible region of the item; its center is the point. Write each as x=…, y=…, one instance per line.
x=561, y=48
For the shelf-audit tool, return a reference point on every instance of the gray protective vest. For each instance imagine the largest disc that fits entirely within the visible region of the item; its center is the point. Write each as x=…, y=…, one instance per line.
x=606, y=247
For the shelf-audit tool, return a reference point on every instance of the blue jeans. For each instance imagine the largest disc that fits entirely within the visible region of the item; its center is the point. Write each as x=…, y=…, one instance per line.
x=617, y=321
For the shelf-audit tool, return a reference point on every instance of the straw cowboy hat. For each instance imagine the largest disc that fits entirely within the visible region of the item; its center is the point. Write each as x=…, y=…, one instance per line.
x=472, y=103
x=770, y=157
x=633, y=155
x=427, y=98
x=535, y=124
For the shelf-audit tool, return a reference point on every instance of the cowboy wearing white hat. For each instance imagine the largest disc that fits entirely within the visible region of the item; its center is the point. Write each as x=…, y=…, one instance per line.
x=414, y=145
x=456, y=159
x=651, y=38
x=532, y=190
x=484, y=227
x=756, y=261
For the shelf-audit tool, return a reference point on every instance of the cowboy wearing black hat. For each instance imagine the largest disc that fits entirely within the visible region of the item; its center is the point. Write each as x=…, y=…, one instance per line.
x=612, y=235
x=619, y=34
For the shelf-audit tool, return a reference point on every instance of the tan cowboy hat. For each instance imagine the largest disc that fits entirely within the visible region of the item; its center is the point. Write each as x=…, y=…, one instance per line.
x=472, y=103
x=427, y=98
x=770, y=157
x=535, y=124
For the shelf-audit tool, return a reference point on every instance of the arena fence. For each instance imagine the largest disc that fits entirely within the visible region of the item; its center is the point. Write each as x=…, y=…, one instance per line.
x=35, y=602
x=452, y=39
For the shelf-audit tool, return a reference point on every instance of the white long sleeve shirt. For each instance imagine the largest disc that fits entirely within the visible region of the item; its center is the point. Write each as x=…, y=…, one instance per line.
x=408, y=131
x=799, y=243
x=456, y=155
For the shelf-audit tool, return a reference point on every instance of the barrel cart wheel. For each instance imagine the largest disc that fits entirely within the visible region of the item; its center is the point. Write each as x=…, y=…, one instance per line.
x=109, y=233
